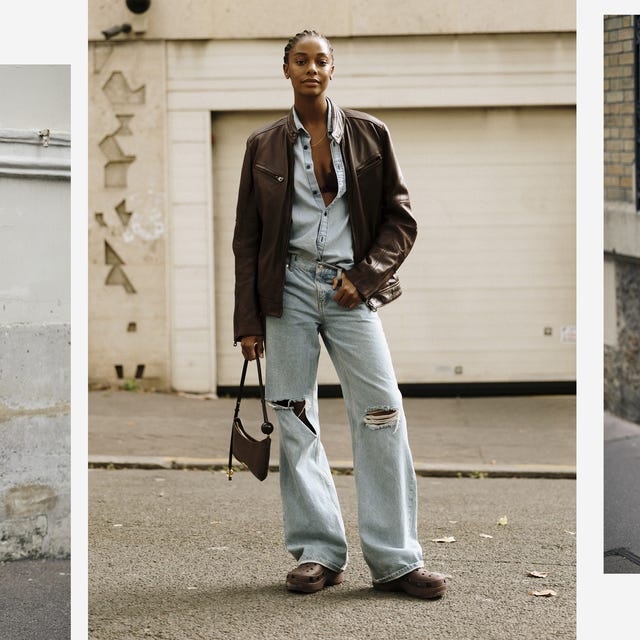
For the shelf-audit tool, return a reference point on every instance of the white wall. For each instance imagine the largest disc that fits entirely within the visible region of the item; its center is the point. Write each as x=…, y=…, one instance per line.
x=35, y=223
x=35, y=97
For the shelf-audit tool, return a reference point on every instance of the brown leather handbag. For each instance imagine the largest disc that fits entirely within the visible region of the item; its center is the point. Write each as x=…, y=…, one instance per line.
x=254, y=453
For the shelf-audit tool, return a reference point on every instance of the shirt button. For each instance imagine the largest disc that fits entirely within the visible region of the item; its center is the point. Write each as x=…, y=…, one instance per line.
x=315, y=193
x=308, y=166
x=305, y=147
x=325, y=213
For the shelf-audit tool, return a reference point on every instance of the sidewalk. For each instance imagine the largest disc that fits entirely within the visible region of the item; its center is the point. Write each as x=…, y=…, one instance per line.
x=531, y=436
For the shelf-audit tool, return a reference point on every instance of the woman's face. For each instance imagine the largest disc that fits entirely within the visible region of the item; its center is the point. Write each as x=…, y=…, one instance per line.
x=310, y=66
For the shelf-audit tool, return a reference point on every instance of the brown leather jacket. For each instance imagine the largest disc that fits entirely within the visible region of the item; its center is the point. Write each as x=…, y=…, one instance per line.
x=382, y=226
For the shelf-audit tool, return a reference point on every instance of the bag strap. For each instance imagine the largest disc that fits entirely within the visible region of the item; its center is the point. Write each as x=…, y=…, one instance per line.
x=242, y=379
x=266, y=427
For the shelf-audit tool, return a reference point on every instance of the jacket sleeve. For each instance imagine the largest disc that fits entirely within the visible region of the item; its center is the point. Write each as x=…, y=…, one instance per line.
x=247, y=319
x=396, y=231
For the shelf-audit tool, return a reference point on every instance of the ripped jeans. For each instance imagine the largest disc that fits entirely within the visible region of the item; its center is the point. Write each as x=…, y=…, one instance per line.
x=383, y=466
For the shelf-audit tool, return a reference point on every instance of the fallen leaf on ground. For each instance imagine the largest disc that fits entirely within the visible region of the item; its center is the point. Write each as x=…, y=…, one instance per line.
x=547, y=593
x=503, y=521
x=447, y=539
x=485, y=535
x=537, y=574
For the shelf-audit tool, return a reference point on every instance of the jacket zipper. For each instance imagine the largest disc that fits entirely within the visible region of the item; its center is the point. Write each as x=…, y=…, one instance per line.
x=269, y=172
x=285, y=249
x=369, y=163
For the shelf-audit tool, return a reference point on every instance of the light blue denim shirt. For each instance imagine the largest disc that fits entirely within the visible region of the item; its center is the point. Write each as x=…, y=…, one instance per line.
x=319, y=232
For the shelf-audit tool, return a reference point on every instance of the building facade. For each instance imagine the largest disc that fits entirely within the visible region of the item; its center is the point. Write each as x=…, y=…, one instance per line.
x=35, y=225
x=621, y=217
x=480, y=102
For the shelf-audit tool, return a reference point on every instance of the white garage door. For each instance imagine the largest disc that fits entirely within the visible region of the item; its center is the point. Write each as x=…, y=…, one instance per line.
x=489, y=286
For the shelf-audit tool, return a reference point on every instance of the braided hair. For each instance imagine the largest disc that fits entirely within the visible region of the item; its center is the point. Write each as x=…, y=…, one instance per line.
x=307, y=33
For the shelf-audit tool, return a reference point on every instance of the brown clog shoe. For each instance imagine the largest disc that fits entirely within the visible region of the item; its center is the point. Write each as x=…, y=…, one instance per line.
x=419, y=583
x=310, y=577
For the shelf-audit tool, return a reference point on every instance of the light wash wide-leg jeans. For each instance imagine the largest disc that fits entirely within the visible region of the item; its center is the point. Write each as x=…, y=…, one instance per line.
x=383, y=466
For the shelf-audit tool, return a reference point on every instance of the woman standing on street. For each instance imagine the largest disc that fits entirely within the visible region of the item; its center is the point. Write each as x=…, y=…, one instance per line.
x=323, y=223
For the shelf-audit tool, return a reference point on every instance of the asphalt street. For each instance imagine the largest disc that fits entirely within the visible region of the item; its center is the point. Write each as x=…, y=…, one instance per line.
x=188, y=555
x=621, y=497
x=35, y=600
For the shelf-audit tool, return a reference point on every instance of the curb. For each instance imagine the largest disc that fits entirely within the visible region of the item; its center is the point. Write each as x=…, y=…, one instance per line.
x=616, y=428
x=424, y=469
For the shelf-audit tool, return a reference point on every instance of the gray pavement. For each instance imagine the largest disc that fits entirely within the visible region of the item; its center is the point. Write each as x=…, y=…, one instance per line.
x=187, y=554
x=524, y=436
x=621, y=498
x=35, y=600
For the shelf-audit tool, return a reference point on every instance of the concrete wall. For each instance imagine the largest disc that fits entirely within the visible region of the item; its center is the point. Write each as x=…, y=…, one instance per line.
x=34, y=97
x=35, y=319
x=621, y=223
x=229, y=19
x=622, y=360
x=127, y=212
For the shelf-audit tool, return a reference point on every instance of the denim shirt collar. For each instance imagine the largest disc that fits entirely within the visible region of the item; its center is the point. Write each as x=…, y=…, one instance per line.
x=335, y=125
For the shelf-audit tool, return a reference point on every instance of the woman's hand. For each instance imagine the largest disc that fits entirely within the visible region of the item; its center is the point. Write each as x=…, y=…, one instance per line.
x=348, y=296
x=252, y=347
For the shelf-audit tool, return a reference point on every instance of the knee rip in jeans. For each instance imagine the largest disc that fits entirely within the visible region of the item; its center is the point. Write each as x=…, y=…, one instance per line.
x=382, y=418
x=298, y=408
